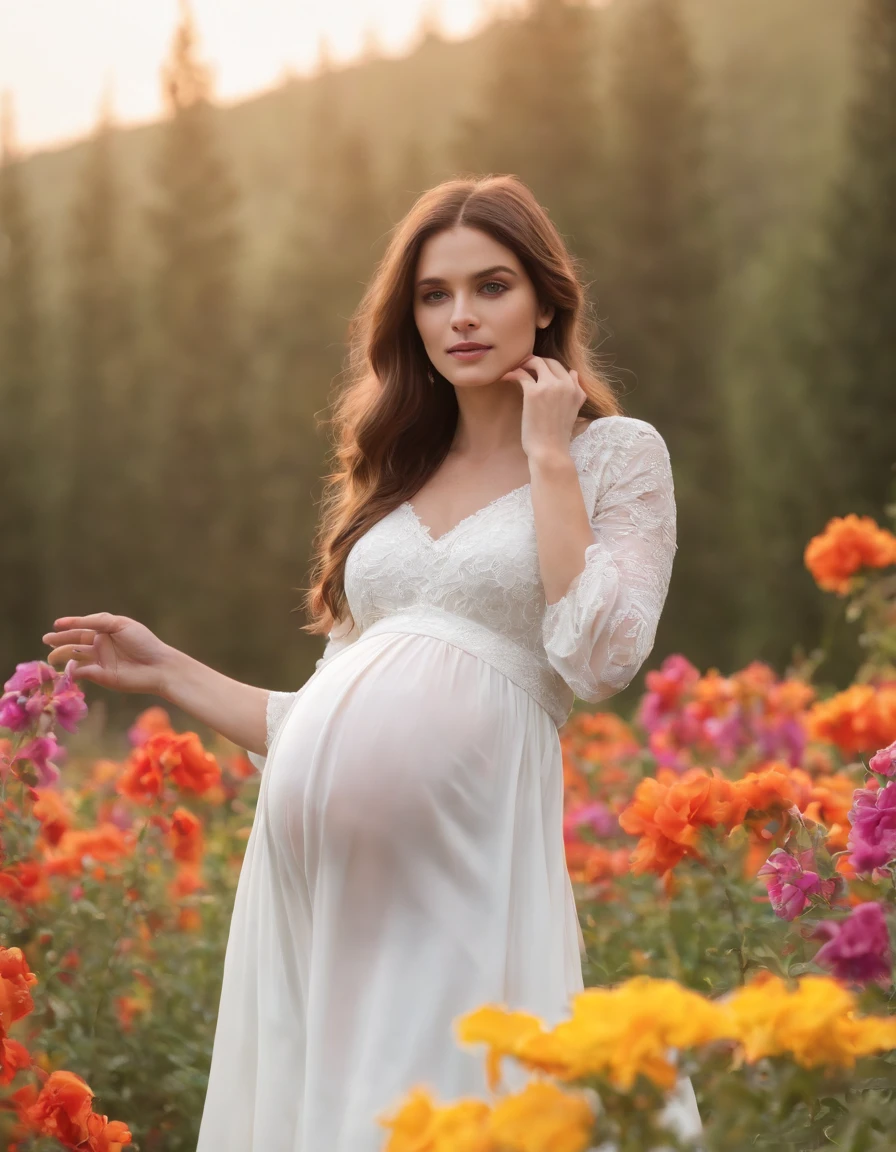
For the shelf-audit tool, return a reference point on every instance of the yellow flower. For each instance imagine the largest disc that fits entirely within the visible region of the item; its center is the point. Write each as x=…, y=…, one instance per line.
x=616, y=1032
x=504, y=1031
x=542, y=1118
x=627, y=1031
x=420, y=1126
x=814, y=1023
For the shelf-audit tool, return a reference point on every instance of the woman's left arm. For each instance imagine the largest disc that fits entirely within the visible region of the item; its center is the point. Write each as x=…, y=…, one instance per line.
x=605, y=572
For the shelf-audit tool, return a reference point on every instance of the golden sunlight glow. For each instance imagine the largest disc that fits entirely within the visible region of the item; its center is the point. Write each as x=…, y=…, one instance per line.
x=58, y=57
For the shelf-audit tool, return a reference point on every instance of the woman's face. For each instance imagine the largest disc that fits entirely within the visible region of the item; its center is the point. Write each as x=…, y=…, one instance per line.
x=471, y=289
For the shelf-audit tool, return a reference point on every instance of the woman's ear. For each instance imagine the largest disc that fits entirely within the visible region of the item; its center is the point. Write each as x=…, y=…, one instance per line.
x=545, y=316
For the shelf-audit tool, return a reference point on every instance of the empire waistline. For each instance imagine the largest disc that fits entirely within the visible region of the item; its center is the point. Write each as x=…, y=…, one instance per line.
x=533, y=674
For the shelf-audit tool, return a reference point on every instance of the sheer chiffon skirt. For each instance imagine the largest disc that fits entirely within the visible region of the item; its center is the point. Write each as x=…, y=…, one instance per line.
x=405, y=866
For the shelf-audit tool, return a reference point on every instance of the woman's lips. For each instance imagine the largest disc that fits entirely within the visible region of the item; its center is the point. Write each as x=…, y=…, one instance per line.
x=469, y=353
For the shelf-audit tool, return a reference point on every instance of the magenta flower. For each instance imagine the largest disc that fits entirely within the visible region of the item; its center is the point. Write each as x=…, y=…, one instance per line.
x=858, y=948
x=728, y=733
x=41, y=751
x=595, y=816
x=884, y=761
x=666, y=687
x=790, y=882
x=29, y=676
x=872, y=839
x=67, y=702
x=783, y=737
x=24, y=702
x=13, y=713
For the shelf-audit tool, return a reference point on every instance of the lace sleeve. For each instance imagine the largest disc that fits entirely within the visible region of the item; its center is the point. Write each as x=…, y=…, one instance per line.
x=602, y=630
x=279, y=703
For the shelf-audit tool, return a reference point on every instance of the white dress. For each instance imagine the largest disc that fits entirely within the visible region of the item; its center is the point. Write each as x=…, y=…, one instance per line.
x=406, y=861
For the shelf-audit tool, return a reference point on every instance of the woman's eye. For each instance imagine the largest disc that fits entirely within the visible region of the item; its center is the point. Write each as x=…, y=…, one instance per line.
x=489, y=284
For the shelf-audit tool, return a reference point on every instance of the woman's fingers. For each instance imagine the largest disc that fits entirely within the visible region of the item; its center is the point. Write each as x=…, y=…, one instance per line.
x=102, y=621
x=70, y=636
x=68, y=652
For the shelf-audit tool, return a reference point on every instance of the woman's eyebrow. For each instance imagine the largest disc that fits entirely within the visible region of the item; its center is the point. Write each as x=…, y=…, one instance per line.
x=475, y=276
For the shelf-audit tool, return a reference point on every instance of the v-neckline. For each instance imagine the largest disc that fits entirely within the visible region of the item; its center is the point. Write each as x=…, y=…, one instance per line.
x=425, y=530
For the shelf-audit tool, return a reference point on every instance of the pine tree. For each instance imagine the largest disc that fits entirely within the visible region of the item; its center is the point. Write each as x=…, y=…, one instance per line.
x=663, y=309
x=205, y=533
x=23, y=467
x=854, y=378
x=101, y=434
x=337, y=233
x=538, y=118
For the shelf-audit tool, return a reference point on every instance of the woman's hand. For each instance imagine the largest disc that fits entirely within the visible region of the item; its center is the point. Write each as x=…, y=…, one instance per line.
x=551, y=403
x=112, y=651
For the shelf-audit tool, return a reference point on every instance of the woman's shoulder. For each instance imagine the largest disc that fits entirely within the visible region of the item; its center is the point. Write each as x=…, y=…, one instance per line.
x=619, y=431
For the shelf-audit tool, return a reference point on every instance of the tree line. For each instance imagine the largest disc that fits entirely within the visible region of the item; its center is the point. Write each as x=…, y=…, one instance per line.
x=159, y=449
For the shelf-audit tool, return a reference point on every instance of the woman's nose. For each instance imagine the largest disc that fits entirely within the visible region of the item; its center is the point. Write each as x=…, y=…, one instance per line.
x=464, y=316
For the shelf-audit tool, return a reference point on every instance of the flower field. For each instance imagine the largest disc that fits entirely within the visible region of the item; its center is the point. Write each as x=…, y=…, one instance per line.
x=733, y=850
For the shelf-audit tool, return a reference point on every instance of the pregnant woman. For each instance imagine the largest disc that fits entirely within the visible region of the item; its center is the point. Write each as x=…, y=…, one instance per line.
x=497, y=538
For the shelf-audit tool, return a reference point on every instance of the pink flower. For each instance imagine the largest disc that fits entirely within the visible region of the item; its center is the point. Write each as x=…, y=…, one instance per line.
x=872, y=839
x=884, y=761
x=29, y=676
x=790, y=883
x=40, y=751
x=858, y=948
x=595, y=816
x=120, y=816
x=24, y=702
x=67, y=702
x=665, y=689
x=13, y=713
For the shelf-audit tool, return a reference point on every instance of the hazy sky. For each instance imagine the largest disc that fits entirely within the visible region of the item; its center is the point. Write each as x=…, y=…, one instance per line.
x=57, y=56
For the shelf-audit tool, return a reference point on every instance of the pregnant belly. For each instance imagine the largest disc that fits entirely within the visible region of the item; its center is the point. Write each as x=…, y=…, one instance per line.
x=400, y=744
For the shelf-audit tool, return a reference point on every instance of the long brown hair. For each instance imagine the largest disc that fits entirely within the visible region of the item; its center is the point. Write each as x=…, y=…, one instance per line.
x=392, y=427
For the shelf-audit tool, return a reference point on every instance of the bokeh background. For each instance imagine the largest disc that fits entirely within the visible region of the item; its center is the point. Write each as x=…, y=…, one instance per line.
x=177, y=272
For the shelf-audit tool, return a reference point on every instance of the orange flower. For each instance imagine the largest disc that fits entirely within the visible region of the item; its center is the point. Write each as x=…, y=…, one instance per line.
x=861, y=719
x=103, y=772
x=53, y=812
x=189, y=920
x=143, y=777
x=771, y=787
x=240, y=766
x=187, y=881
x=14, y=1057
x=61, y=1109
x=105, y=844
x=589, y=863
x=16, y=981
x=127, y=1007
x=106, y=1135
x=149, y=723
x=847, y=545
x=24, y=883
x=829, y=804
x=668, y=812
x=185, y=836
x=790, y=697
x=190, y=766
x=179, y=756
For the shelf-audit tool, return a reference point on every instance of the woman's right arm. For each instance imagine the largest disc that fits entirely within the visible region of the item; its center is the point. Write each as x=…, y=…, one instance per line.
x=230, y=707
x=238, y=711
x=122, y=654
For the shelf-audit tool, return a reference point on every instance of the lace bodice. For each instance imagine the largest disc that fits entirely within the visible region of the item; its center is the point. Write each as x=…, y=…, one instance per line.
x=479, y=584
